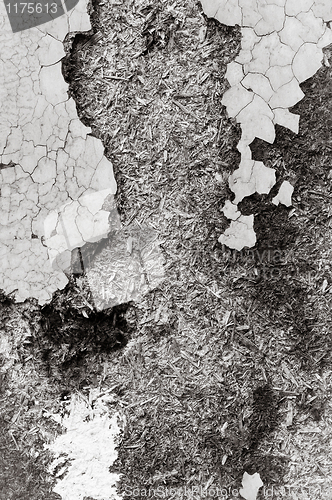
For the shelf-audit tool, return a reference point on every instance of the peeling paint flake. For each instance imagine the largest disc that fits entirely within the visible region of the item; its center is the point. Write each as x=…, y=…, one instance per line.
x=252, y=177
x=281, y=47
x=240, y=233
x=250, y=486
x=284, y=195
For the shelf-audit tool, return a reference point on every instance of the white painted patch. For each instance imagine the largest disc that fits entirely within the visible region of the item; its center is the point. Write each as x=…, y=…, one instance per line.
x=86, y=450
x=250, y=486
x=284, y=195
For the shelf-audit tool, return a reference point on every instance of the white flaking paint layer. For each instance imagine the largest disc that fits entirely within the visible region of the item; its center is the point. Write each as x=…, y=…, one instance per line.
x=48, y=160
x=240, y=233
x=89, y=446
x=281, y=46
x=230, y=210
x=252, y=177
x=284, y=195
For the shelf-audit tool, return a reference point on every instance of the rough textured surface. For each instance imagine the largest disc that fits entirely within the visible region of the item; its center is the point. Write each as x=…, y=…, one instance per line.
x=127, y=267
x=203, y=346
x=282, y=42
x=48, y=160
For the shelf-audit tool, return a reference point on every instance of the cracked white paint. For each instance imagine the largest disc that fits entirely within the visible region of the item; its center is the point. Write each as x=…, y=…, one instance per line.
x=282, y=42
x=47, y=158
x=89, y=444
x=252, y=177
x=240, y=233
x=74, y=224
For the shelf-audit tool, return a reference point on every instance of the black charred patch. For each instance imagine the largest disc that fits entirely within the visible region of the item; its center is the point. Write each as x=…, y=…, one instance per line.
x=274, y=229
x=271, y=468
x=259, y=427
x=5, y=300
x=72, y=339
x=264, y=417
x=105, y=331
